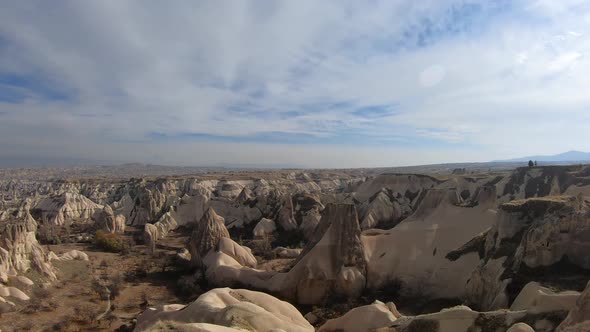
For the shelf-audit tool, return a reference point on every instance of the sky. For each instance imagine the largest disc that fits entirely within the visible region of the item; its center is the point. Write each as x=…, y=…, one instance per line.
x=303, y=83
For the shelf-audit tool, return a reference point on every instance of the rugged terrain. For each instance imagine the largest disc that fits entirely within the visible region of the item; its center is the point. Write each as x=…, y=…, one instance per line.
x=295, y=250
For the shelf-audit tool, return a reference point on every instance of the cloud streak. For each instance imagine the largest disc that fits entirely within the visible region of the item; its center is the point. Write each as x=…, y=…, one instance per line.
x=442, y=81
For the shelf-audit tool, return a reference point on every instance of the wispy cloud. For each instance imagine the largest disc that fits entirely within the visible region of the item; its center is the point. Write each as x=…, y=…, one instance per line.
x=442, y=80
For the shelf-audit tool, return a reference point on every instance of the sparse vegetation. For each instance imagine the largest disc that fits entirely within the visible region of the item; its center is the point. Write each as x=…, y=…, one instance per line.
x=112, y=242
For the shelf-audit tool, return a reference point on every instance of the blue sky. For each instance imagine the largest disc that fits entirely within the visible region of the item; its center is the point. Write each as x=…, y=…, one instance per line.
x=312, y=83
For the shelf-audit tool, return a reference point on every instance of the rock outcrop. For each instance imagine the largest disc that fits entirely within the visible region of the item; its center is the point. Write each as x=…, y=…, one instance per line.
x=520, y=327
x=308, y=212
x=150, y=237
x=286, y=218
x=385, y=208
x=166, y=224
x=459, y=319
x=416, y=250
x=243, y=255
x=364, y=318
x=264, y=227
x=148, y=205
x=65, y=208
x=206, y=235
x=334, y=261
x=235, y=309
x=537, y=299
x=20, y=251
x=107, y=221
x=538, y=239
x=72, y=255
x=578, y=319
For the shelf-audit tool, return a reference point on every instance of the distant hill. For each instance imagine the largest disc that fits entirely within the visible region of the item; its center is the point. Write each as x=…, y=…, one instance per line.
x=570, y=156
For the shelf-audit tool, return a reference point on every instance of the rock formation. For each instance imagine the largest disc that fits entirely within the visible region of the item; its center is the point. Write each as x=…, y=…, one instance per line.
x=245, y=196
x=20, y=251
x=578, y=319
x=150, y=237
x=537, y=299
x=66, y=207
x=286, y=218
x=206, y=235
x=364, y=318
x=333, y=263
x=535, y=238
x=72, y=255
x=520, y=327
x=148, y=204
x=243, y=255
x=385, y=208
x=166, y=224
x=308, y=210
x=107, y=221
x=264, y=227
x=237, y=309
x=415, y=251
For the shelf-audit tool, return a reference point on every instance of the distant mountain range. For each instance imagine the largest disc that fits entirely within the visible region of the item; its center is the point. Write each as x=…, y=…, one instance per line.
x=569, y=156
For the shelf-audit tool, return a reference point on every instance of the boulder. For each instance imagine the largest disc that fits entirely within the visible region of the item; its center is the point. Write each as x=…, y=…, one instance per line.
x=283, y=252
x=14, y=293
x=69, y=256
x=364, y=318
x=520, y=327
x=241, y=254
x=459, y=319
x=264, y=227
x=538, y=299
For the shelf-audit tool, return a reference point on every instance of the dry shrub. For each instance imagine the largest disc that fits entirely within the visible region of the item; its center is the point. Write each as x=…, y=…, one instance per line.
x=112, y=242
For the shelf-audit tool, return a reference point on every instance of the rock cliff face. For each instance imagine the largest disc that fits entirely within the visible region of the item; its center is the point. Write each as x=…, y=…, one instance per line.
x=20, y=251
x=308, y=211
x=543, y=181
x=148, y=205
x=538, y=239
x=415, y=250
x=385, y=209
x=206, y=235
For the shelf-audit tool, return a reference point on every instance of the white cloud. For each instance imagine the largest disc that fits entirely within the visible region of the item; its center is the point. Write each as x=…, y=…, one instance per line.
x=245, y=68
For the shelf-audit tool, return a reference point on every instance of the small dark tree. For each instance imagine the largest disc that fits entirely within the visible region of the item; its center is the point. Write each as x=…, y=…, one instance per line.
x=535, y=163
x=531, y=164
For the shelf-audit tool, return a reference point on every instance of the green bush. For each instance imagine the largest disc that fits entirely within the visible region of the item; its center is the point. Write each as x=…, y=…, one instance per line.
x=112, y=242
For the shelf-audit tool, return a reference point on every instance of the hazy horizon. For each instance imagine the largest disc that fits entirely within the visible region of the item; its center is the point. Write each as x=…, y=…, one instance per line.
x=331, y=84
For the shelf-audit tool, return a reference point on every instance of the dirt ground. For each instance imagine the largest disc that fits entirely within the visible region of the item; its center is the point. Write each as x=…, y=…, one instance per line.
x=77, y=299
x=72, y=303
